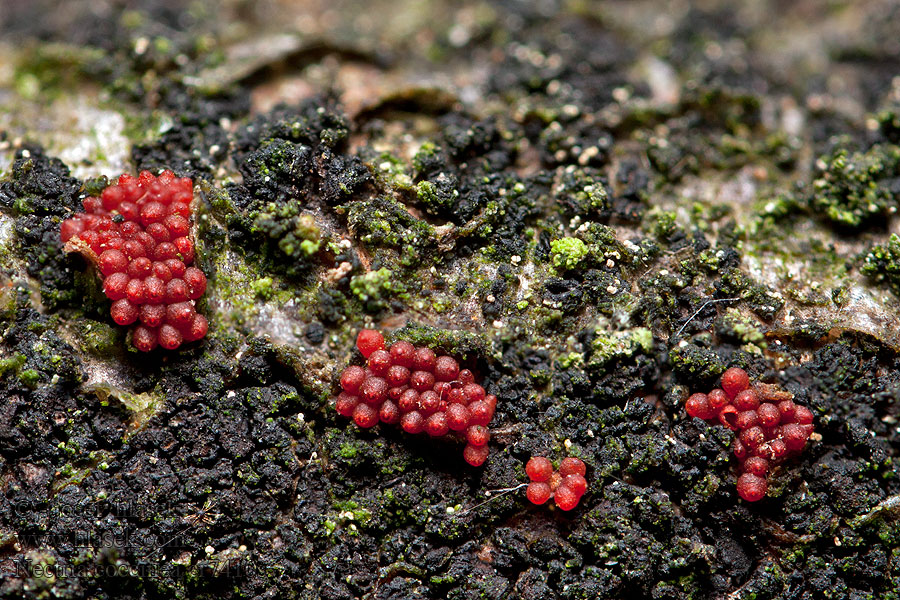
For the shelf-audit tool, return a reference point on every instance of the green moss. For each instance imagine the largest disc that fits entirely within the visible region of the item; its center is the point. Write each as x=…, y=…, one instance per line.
x=49, y=68
x=581, y=192
x=853, y=189
x=566, y=253
x=263, y=287
x=620, y=344
x=22, y=206
x=741, y=327
x=391, y=172
x=347, y=451
x=427, y=152
x=348, y=515
x=142, y=406
x=461, y=344
x=882, y=263
x=571, y=359
x=295, y=234
x=375, y=288
x=97, y=338
x=540, y=377
x=661, y=224
x=385, y=223
x=436, y=198
x=763, y=301
x=11, y=364
x=442, y=304
x=693, y=362
x=708, y=486
x=29, y=377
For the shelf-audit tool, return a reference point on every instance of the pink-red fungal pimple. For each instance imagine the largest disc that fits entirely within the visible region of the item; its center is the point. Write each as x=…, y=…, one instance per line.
x=538, y=492
x=140, y=249
x=735, y=380
x=413, y=387
x=769, y=426
x=539, y=468
x=566, y=485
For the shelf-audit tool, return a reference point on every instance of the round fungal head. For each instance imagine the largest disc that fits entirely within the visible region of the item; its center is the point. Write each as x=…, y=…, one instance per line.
x=368, y=341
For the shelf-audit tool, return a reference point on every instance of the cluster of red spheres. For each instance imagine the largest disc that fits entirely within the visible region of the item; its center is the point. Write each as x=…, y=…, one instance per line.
x=138, y=235
x=566, y=486
x=770, y=427
x=419, y=390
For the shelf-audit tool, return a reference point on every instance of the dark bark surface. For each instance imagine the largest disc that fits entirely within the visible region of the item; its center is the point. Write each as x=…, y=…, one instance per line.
x=597, y=206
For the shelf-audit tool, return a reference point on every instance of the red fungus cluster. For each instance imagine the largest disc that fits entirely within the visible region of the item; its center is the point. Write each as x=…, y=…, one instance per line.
x=566, y=486
x=770, y=427
x=138, y=235
x=419, y=390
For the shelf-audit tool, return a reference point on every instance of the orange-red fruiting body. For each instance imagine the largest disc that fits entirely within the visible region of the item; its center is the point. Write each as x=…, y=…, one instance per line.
x=768, y=427
x=417, y=388
x=566, y=486
x=137, y=234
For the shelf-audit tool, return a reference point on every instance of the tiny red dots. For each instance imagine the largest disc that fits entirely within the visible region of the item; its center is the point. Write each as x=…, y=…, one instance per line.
x=429, y=402
x=368, y=341
x=123, y=312
x=575, y=482
x=480, y=413
x=538, y=492
x=698, y=406
x=752, y=488
x=402, y=354
x=570, y=466
x=769, y=415
x=475, y=455
x=352, y=378
x=473, y=392
x=152, y=315
x=144, y=253
x=418, y=389
x=424, y=359
x=115, y=285
x=397, y=375
x=373, y=390
x=412, y=422
x=169, y=337
x=478, y=435
x=389, y=413
x=735, y=380
x=539, y=468
x=458, y=417
x=756, y=465
x=565, y=498
x=436, y=425
x=144, y=338
x=746, y=400
x=345, y=404
x=112, y=261
x=198, y=328
x=379, y=362
x=769, y=426
x=409, y=400
x=566, y=486
x=365, y=416
x=446, y=368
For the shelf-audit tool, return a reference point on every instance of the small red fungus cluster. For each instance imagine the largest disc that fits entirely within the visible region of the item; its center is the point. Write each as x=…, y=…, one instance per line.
x=138, y=235
x=418, y=389
x=770, y=427
x=566, y=486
